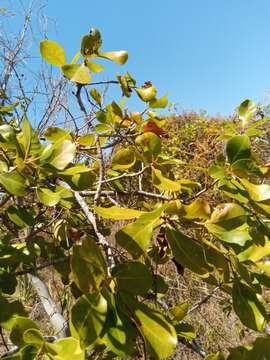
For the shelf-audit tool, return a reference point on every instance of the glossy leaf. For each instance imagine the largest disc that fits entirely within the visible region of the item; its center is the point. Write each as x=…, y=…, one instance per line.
x=150, y=143
x=88, y=316
x=187, y=252
x=14, y=183
x=136, y=237
x=120, y=57
x=257, y=192
x=246, y=111
x=248, y=308
x=124, y=159
x=64, y=349
x=147, y=93
x=63, y=153
x=154, y=327
x=48, y=197
x=88, y=266
x=20, y=326
x=133, y=277
x=238, y=147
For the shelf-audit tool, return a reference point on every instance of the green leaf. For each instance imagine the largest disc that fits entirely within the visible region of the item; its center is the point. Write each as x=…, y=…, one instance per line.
x=179, y=311
x=7, y=137
x=52, y=52
x=48, y=197
x=64, y=349
x=9, y=311
x=255, y=252
x=120, y=57
x=34, y=337
x=228, y=215
x=162, y=183
x=87, y=140
x=247, y=307
x=88, y=316
x=21, y=325
x=79, y=177
x=14, y=183
x=257, y=192
x=146, y=94
x=239, y=235
x=238, y=147
x=186, y=331
x=124, y=159
x=246, y=111
x=63, y=153
x=78, y=73
x=119, y=335
x=159, y=103
x=160, y=336
x=20, y=216
x=187, y=252
x=135, y=237
x=27, y=136
x=54, y=134
x=133, y=277
x=88, y=266
x=150, y=142
x=117, y=213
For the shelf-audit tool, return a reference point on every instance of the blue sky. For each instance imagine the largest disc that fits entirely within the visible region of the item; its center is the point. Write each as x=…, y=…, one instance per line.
x=207, y=54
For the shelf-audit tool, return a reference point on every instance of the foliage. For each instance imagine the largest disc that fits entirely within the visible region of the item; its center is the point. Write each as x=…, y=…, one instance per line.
x=59, y=188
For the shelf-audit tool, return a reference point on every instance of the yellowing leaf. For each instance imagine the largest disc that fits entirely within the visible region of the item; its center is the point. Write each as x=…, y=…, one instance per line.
x=63, y=153
x=257, y=192
x=52, y=52
x=117, y=213
x=120, y=57
x=146, y=94
x=162, y=183
x=77, y=73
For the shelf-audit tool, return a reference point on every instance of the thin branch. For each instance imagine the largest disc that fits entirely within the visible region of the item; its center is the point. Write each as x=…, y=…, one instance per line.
x=203, y=301
x=101, y=171
x=124, y=175
x=201, y=192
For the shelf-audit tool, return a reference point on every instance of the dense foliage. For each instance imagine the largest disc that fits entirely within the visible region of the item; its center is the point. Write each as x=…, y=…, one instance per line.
x=111, y=202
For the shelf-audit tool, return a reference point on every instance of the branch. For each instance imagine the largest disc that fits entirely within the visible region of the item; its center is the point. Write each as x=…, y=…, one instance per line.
x=92, y=219
x=137, y=192
x=56, y=318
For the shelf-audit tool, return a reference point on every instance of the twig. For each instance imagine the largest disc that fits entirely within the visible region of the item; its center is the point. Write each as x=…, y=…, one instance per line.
x=203, y=301
x=101, y=171
x=124, y=175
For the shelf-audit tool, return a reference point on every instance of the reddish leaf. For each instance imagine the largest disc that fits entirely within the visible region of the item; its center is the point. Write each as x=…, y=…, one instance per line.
x=151, y=126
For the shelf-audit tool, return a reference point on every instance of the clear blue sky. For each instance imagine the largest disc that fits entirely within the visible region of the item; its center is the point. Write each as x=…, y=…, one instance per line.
x=207, y=54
